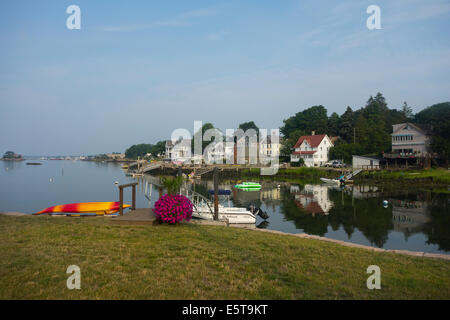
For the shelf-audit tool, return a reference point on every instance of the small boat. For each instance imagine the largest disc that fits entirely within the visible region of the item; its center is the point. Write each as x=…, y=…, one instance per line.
x=203, y=208
x=99, y=208
x=248, y=186
x=330, y=181
x=33, y=163
x=125, y=166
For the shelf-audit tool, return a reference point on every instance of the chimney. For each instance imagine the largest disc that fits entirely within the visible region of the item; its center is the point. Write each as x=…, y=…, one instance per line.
x=313, y=133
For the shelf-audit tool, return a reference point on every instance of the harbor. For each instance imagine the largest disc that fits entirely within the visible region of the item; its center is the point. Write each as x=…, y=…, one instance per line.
x=412, y=221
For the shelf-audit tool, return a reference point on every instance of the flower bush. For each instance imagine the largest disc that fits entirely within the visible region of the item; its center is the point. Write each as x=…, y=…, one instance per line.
x=173, y=208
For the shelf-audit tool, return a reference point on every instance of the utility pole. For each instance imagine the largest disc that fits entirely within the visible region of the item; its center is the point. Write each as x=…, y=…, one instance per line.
x=216, y=193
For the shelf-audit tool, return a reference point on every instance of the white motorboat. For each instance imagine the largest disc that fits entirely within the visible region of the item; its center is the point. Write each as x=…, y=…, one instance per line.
x=232, y=215
x=330, y=181
x=204, y=209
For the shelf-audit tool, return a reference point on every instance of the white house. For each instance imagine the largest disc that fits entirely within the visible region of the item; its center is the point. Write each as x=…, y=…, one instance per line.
x=270, y=146
x=359, y=162
x=179, y=151
x=219, y=152
x=312, y=149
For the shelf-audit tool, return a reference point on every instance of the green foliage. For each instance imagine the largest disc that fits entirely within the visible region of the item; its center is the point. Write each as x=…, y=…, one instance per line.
x=249, y=125
x=140, y=150
x=438, y=117
x=333, y=125
x=346, y=125
x=345, y=151
x=11, y=155
x=172, y=185
x=205, y=127
x=314, y=118
x=299, y=163
x=8, y=155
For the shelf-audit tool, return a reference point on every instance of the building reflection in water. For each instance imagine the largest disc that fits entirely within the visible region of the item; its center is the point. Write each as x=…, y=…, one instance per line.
x=409, y=216
x=313, y=199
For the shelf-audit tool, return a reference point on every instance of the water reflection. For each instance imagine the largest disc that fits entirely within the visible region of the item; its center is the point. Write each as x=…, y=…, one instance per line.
x=412, y=220
x=313, y=199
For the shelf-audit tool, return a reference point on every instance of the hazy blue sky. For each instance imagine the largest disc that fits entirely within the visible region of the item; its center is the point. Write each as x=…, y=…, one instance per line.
x=139, y=69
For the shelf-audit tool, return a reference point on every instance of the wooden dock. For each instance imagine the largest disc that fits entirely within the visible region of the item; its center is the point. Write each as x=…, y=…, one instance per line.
x=137, y=216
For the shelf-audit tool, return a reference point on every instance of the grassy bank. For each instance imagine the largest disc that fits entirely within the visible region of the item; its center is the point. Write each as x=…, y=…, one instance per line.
x=197, y=262
x=437, y=176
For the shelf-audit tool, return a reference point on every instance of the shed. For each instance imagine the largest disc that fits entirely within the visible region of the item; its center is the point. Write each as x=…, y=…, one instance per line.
x=360, y=162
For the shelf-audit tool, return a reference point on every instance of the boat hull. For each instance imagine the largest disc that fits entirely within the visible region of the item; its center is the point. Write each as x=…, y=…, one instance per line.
x=330, y=181
x=232, y=215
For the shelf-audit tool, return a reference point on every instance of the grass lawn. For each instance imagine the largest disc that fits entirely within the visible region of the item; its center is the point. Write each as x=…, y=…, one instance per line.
x=197, y=262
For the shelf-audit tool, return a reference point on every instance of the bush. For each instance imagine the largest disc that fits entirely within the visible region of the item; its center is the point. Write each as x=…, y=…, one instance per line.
x=173, y=208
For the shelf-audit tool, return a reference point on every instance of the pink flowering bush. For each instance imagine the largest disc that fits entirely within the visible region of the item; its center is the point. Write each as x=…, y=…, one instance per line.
x=173, y=208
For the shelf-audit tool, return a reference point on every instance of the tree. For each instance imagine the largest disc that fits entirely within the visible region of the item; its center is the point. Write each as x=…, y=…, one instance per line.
x=11, y=155
x=138, y=150
x=333, y=125
x=308, y=120
x=205, y=127
x=437, y=117
x=345, y=151
x=406, y=112
x=346, y=125
x=158, y=148
x=8, y=155
x=249, y=125
x=289, y=143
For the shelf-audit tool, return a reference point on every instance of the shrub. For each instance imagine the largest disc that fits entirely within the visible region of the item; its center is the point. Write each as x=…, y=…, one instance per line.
x=173, y=208
x=172, y=185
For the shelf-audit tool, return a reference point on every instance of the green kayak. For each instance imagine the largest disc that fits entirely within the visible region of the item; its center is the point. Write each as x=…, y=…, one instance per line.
x=248, y=186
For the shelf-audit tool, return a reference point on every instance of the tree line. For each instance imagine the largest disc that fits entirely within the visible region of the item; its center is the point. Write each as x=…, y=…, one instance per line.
x=141, y=150
x=366, y=131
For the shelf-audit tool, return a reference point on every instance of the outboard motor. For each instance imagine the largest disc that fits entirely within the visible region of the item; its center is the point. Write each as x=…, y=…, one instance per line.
x=257, y=211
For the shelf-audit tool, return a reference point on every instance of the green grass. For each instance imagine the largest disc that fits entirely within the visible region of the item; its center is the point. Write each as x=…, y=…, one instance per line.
x=197, y=262
x=441, y=176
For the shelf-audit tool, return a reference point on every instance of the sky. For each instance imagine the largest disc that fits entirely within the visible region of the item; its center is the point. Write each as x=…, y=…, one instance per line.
x=137, y=70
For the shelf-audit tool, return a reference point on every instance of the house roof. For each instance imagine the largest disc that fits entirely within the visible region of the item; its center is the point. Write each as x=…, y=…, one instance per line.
x=313, y=141
x=311, y=207
x=368, y=158
x=426, y=129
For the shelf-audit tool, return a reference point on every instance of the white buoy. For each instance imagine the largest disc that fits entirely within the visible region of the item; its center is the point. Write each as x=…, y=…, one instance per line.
x=116, y=182
x=51, y=179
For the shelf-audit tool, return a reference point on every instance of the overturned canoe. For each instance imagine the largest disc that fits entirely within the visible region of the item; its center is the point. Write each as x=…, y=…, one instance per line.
x=85, y=207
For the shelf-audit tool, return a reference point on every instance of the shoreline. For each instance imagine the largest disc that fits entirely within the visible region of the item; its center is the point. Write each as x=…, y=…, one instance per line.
x=422, y=254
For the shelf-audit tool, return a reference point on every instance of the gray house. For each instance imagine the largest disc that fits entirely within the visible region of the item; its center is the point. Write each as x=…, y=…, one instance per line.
x=410, y=139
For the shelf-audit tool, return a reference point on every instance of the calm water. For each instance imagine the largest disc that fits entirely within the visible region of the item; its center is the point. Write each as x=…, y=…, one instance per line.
x=414, y=219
